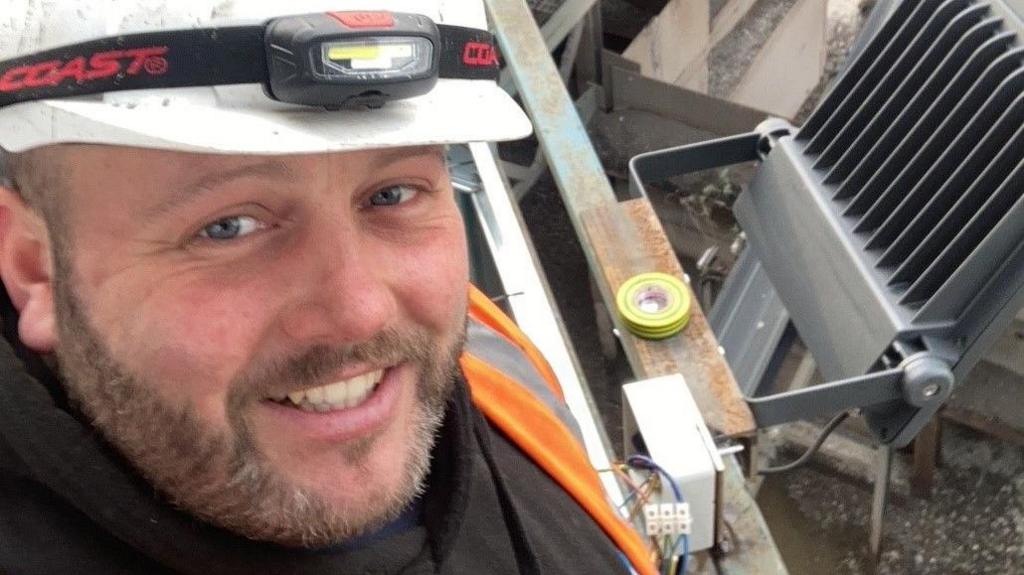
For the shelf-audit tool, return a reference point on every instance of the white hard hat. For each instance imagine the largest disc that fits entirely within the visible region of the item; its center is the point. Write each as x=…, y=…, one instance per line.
x=236, y=118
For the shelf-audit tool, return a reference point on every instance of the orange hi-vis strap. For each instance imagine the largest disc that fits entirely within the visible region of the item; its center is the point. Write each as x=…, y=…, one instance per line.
x=482, y=309
x=536, y=430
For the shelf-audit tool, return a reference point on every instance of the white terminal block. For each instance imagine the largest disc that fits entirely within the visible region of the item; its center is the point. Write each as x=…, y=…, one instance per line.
x=671, y=519
x=660, y=415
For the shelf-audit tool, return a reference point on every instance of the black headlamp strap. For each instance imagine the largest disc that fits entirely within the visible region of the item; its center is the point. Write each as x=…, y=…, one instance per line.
x=468, y=53
x=172, y=59
x=197, y=57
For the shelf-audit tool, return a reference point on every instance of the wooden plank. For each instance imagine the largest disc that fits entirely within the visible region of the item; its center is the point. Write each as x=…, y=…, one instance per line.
x=674, y=45
x=984, y=423
x=926, y=452
x=616, y=234
x=1008, y=350
x=789, y=65
x=989, y=401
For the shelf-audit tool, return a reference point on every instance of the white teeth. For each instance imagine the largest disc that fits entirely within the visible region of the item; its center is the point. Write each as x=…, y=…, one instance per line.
x=315, y=395
x=343, y=394
x=356, y=392
x=336, y=394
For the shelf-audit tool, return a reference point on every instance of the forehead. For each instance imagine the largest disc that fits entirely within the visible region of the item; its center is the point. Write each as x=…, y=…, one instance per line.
x=96, y=180
x=89, y=164
x=85, y=155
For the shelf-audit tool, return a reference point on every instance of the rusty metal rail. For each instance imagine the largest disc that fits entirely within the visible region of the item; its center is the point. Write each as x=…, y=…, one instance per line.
x=620, y=239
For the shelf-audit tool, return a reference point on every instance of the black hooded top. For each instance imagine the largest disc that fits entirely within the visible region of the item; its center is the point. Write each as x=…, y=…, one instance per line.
x=70, y=504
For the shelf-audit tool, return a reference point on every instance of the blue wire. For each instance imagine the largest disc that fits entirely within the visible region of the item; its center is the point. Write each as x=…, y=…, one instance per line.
x=685, y=555
x=632, y=494
x=645, y=462
x=626, y=500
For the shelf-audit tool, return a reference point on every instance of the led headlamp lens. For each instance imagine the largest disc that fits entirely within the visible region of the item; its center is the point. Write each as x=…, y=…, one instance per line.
x=377, y=58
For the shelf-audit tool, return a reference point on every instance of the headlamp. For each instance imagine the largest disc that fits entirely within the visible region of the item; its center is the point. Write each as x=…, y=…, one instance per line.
x=332, y=60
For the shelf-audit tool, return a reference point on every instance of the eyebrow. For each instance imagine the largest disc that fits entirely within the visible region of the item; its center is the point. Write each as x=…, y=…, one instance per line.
x=269, y=169
x=275, y=170
x=389, y=156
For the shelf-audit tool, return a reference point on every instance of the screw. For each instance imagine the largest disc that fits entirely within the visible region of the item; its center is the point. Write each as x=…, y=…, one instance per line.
x=931, y=389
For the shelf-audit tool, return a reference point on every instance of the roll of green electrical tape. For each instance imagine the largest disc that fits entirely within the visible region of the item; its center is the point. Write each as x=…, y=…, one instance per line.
x=654, y=305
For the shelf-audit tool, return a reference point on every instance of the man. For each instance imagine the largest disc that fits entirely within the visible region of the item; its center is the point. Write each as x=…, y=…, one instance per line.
x=236, y=302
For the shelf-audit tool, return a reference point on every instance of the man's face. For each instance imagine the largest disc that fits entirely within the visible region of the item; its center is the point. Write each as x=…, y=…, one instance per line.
x=269, y=340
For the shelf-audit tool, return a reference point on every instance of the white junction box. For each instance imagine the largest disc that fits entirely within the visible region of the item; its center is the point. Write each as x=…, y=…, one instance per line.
x=660, y=419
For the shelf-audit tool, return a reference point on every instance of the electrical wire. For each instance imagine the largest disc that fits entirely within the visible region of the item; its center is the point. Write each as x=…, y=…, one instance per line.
x=648, y=487
x=825, y=432
x=617, y=469
x=642, y=497
x=644, y=462
x=640, y=492
x=664, y=555
x=685, y=555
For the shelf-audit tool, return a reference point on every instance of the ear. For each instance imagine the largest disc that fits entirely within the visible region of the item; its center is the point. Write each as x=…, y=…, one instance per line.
x=26, y=270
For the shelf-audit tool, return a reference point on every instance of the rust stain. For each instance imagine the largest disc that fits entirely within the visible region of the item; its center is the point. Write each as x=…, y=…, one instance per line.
x=698, y=358
x=627, y=239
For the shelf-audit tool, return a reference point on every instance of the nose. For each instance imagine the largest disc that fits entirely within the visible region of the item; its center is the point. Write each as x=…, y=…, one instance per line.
x=340, y=287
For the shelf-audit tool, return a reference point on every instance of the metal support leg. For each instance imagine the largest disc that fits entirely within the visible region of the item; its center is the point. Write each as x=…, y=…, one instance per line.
x=878, y=502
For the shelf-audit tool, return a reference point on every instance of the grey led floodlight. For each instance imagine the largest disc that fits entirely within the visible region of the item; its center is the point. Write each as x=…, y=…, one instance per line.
x=892, y=223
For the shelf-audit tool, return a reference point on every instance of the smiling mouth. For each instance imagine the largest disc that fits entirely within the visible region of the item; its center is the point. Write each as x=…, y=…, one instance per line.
x=344, y=394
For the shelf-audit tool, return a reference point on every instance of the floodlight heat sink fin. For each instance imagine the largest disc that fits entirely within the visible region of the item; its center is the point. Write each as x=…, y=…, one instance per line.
x=916, y=159
x=920, y=147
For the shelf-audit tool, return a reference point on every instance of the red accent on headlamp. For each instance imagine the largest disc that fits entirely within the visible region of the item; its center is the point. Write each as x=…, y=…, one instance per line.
x=364, y=19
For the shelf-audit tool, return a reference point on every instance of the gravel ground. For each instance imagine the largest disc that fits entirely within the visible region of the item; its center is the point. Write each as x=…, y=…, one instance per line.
x=972, y=525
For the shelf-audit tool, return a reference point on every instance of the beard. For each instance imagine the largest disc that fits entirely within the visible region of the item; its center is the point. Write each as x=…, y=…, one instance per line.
x=221, y=476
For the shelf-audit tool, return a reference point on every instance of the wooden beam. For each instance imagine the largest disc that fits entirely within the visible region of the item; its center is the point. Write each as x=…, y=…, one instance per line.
x=789, y=65
x=674, y=45
x=984, y=423
x=628, y=239
x=926, y=456
x=989, y=401
x=1008, y=350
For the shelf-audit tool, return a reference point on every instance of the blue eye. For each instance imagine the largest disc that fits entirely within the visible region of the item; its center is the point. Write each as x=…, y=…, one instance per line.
x=230, y=228
x=393, y=195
